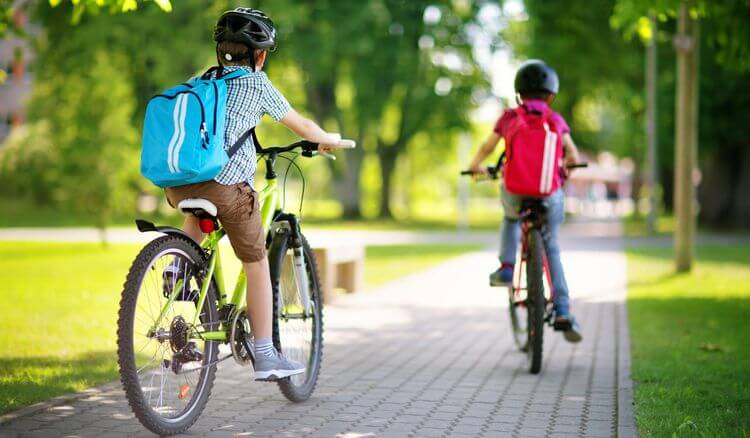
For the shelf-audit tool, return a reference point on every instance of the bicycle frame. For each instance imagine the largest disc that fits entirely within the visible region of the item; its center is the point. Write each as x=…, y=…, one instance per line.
x=268, y=200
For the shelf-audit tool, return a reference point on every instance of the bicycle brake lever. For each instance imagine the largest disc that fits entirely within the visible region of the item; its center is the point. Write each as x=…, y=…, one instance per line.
x=327, y=155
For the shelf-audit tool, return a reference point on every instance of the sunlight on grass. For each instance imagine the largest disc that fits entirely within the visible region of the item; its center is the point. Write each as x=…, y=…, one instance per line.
x=385, y=263
x=59, y=312
x=690, y=347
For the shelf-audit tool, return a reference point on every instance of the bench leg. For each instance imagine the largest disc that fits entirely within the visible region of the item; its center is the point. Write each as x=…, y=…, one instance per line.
x=351, y=276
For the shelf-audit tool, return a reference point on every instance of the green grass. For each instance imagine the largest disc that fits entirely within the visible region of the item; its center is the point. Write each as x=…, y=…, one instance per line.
x=57, y=318
x=638, y=226
x=58, y=310
x=690, y=342
x=386, y=263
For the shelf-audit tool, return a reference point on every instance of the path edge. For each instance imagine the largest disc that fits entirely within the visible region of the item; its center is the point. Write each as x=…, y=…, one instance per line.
x=57, y=401
x=625, y=417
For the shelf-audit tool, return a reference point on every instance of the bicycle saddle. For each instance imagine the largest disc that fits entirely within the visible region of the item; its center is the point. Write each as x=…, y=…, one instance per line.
x=197, y=207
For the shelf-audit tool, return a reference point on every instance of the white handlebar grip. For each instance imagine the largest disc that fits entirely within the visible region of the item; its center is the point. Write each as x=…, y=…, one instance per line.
x=346, y=144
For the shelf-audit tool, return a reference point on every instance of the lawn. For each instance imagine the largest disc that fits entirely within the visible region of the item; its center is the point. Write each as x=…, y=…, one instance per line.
x=59, y=304
x=388, y=262
x=691, y=354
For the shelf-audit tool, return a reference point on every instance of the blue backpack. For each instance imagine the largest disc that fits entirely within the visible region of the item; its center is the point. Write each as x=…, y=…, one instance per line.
x=183, y=133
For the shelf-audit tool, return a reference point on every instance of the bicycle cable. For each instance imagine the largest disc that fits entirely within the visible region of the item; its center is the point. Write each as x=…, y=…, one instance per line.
x=292, y=162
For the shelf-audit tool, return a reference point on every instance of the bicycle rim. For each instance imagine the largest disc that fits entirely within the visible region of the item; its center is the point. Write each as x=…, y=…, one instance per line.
x=518, y=318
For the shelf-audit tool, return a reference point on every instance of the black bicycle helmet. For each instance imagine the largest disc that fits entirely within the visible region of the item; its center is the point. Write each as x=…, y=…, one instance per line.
x=248, y=26
x=535, y=76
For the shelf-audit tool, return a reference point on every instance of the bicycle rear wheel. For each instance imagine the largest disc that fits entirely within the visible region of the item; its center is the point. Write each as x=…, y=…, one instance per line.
x=535, y=301
x=296, y=333
x=166, y=372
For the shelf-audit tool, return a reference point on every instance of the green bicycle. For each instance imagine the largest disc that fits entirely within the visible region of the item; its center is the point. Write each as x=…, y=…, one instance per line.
x=171, y=328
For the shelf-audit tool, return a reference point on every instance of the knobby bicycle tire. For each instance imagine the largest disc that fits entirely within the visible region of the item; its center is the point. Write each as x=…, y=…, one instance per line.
x=535, y=302
x=279, y=248
x=125, y=351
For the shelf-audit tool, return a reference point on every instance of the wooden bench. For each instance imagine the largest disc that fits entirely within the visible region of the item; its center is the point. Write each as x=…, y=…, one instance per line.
x=341, y=266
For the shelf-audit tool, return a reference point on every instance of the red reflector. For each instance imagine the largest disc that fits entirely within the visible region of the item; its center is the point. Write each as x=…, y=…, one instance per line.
x=207, y=225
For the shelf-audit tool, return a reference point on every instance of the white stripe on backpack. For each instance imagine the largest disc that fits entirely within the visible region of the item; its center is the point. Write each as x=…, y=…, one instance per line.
x=181, y=139
x=176, y=132
x=548, y=160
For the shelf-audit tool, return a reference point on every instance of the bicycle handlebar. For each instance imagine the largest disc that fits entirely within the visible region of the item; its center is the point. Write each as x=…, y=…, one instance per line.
x=494, y=171
x=308, y=147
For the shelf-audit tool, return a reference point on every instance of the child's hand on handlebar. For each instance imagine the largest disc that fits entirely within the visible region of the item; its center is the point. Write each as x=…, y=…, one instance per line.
x=479, y=171
x=330, y=144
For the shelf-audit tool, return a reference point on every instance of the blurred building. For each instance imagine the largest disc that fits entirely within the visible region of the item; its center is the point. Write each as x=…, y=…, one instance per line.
x=603, y=189
x=15, y=58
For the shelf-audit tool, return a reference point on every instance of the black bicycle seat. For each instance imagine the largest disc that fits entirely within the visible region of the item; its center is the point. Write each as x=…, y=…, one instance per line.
x=534, y=205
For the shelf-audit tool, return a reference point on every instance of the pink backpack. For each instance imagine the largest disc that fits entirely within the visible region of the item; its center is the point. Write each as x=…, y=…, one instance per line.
x=533, y=154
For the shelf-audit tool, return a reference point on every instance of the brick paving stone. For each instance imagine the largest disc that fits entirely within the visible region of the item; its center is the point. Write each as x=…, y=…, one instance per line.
x=397, y=362
x=429, y=432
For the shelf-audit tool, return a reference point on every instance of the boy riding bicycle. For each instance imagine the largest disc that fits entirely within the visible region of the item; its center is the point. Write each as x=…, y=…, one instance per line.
x=243, y=38
x=536, y=85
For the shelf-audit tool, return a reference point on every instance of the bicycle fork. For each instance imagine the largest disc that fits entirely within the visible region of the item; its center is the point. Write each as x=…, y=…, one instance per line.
x=289, y=224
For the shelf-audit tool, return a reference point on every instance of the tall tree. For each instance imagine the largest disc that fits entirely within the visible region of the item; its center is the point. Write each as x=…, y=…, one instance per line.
x=723, y=152
x=411, y=71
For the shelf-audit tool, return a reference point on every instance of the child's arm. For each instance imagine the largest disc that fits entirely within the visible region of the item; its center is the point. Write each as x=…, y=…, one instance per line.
x=309, y=130
x=484, y=151
x=571, y=151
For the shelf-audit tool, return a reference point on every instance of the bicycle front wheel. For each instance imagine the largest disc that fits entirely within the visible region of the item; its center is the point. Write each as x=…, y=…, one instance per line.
x=297, y=320
x=166, y=370
x=535, y=302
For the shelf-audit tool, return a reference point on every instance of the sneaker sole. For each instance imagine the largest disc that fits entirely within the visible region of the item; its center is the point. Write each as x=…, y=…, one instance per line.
x=269, y=376
x=572, y=336
x=499, y=284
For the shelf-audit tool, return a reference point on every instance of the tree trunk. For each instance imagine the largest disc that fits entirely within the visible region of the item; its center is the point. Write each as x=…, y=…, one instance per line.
x=686, y=45
x=715, y=190
x=346, y=182
x=388, y=157
x=741, y=201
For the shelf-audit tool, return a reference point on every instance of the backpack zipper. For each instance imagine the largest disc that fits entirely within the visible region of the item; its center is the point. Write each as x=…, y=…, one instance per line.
x=216, y=94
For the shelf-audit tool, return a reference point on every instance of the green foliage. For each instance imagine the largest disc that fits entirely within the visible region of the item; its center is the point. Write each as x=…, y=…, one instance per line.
x=81, y=7
x=402, y=77
x=729, y=39
x=689, y=342
x=80, y=154
x=28, y=163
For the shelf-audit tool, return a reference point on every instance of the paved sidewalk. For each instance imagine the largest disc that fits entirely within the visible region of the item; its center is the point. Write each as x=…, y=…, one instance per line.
x=427, y=355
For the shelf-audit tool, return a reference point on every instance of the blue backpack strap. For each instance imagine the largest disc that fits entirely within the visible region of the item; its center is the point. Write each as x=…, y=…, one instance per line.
x=240, y=141
x=234, y=74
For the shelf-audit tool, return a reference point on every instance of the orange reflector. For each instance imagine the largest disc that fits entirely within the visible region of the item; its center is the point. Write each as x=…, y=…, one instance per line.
x=184, y=389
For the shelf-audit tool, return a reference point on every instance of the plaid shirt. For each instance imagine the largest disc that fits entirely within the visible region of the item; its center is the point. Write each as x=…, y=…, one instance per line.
x=248, y=98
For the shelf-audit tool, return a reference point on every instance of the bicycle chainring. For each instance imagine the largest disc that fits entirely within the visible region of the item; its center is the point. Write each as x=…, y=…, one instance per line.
x=241, y=338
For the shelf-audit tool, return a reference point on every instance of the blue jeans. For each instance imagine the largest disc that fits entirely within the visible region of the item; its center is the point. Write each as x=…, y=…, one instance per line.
x=510, y=234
